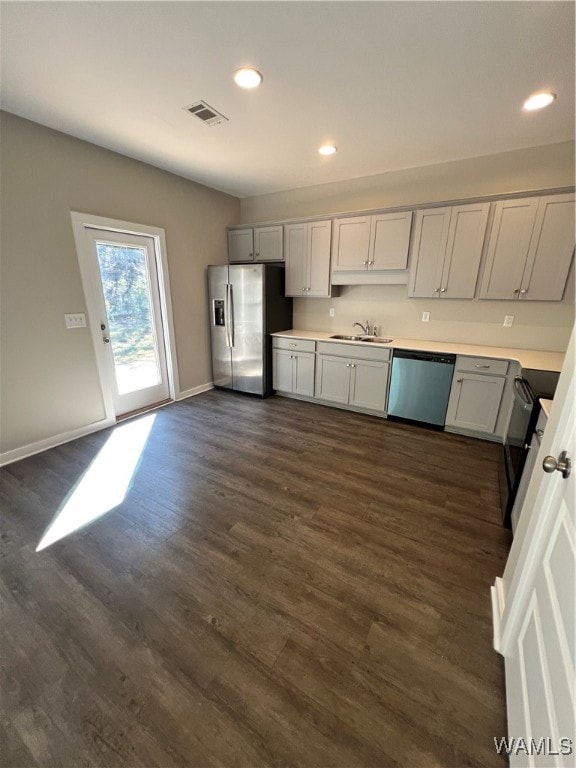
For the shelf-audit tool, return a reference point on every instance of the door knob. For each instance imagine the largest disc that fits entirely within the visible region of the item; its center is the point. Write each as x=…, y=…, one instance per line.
x=563, y=464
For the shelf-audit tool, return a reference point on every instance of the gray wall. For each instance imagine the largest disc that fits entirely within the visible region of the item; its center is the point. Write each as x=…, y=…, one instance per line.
x=49, y=382
x=537, y=325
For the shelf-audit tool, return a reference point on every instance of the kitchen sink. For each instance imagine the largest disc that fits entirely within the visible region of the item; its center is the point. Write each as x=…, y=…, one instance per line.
x=347, y=338
x=373, y=339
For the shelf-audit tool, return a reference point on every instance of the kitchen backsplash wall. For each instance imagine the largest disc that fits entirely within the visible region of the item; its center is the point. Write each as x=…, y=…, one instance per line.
x=537, y=325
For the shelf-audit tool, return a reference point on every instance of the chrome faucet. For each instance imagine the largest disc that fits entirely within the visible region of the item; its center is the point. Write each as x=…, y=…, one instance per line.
x=367, y=331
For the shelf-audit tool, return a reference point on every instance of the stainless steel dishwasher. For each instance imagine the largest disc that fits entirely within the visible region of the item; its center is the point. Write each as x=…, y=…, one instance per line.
x=420, y=386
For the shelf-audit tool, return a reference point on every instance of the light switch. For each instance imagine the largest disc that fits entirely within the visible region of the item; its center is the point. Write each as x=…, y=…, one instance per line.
x=75, y=320
x=332, y=311
x=508, y=321
x=425, y=317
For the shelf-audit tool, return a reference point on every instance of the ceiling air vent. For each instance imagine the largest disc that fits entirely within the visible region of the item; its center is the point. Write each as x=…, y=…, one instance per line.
x=206, y=113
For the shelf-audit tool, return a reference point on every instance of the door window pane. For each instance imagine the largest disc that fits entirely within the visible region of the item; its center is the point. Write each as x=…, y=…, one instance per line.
x=126, y=283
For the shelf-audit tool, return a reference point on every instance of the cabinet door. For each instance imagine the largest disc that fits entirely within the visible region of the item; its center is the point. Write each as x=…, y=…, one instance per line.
x=333, y=378
x=240, y=245
x=464, y=250
x=319, y=237
x=282, y=375
x=389, y=240
x=551, y=250
x=304, y=373
x=268, y=244
x=475, y=401
x=351, y=243
x=428, y=251
x=368, y=384
x=296, y=252
x=508, y=248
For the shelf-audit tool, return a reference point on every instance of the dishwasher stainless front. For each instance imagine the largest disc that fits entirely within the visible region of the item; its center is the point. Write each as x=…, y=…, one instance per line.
x=420, y=386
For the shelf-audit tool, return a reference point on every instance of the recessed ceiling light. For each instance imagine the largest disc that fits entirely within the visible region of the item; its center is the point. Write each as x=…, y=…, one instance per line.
x=539, y=100
x=328, y=149
x=247, y=77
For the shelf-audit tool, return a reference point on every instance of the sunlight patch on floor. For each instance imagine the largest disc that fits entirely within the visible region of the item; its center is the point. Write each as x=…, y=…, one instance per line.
x=104, y=485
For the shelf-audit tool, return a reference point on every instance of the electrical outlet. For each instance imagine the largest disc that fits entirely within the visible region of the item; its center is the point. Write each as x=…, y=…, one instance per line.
x=425, y=317
x=75, y=320
x=508, y=321
x=332, y=311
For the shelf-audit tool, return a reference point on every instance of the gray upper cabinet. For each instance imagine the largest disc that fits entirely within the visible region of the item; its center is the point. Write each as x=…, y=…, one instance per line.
x=530, y=249
x=255, y=244
x=240, y=245
x=268, y=244
x=351, y=243
x=446, y=251
x=371, y=243
x=307, y=255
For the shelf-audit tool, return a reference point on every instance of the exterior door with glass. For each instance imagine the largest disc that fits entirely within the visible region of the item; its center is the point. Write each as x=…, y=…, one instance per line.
x=126, y=293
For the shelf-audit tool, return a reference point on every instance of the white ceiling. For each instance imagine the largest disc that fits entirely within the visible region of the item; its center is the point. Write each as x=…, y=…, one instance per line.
x=393, y=84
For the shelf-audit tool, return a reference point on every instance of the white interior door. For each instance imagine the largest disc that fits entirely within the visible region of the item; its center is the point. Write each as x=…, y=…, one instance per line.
x=535, y=626
x=126, y=286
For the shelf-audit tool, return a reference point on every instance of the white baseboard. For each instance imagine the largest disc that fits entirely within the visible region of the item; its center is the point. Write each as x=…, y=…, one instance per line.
x=51, y=442
x=194, y=391
x=497, y=595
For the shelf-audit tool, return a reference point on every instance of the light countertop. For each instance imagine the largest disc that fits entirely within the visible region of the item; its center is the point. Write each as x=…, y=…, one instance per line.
x=528, y=358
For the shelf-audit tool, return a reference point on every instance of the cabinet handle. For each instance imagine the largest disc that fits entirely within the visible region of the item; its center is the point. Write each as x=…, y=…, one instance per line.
x=353, y=366
x=481, y=366
x=436, y=290
x=517, y=290
x=303, y=290
x=442, y=290
x=291, y=344
x=524, y=290
x=251, y=255
x=371, y=263
x=459, y=381
x=347, y=365
x=365, y=263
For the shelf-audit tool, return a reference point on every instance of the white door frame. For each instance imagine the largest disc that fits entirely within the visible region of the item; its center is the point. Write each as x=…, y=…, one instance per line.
x=80, y=223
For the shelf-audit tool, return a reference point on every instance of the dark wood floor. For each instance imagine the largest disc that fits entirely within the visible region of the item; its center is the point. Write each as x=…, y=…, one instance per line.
x=284, y=584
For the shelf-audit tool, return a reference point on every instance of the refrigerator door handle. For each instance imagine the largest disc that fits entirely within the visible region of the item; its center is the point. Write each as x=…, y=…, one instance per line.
x=229, y=316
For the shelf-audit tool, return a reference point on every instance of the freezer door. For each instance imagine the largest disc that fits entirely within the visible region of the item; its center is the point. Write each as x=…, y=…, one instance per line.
x=220, y=327
x=247, y=294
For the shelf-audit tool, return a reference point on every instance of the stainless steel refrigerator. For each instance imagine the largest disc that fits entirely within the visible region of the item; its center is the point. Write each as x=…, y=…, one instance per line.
x=247, y=304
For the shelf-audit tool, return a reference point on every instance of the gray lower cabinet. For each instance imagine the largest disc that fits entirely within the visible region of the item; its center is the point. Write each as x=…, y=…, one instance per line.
x=293, y=366
x=476, y=394
x=360, y=381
